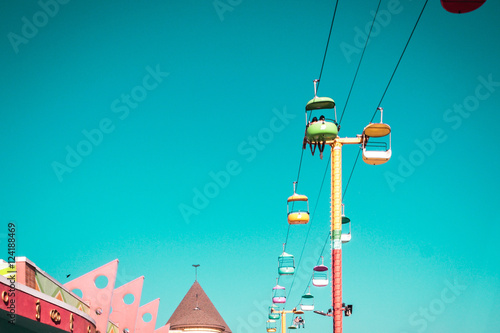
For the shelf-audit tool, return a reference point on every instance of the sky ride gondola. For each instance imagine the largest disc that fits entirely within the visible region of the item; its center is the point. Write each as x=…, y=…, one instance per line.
x=293, y=326
x=318, y=131
x=372, y=154
x=345, y=236
x=320, y=275
x=297, y=320
x=279, y=294
x=286, y=263
x=272, y=314
x=271, y=326
x=297, y=208
x=307, y=302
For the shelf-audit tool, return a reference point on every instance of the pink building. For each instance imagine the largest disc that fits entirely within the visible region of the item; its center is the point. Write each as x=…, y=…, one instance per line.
x=34, y=302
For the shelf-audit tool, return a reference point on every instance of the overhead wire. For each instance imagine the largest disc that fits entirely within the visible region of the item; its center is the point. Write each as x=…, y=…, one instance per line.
x=388, y=84
x=401, y=57
x=350, y=175
x=327, y=43
x=359, y=64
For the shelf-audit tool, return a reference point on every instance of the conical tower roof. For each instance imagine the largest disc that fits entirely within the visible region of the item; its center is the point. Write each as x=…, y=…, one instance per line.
x=196, y=310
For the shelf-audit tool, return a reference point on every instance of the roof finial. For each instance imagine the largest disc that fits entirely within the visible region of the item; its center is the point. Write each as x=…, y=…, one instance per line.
x=196, y=271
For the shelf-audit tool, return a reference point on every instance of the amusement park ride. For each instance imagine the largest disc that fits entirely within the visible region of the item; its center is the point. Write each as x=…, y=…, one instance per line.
x=375, y=143
x=320, y=132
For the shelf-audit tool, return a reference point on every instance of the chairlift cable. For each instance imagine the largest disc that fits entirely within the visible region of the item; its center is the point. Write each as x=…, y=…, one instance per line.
x=359, y=64
x=386, y=88
x=350, y=175
x=401, y=57
x=327, y=43
x=300, y=166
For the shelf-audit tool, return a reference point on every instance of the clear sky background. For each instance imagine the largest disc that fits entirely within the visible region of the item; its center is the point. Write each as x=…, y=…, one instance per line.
x=226, y=101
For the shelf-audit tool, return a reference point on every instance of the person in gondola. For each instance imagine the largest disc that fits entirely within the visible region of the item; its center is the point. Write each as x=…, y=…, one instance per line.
x=296, y=321
x=301, y=321
x=312, y=146
x=321, y=144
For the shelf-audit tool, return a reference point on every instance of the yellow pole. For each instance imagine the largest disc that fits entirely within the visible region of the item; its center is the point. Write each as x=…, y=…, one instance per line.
x=283, y=317
x=336, y=227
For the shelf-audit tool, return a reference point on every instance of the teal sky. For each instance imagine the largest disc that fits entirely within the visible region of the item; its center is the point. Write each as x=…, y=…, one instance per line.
x=115, y=115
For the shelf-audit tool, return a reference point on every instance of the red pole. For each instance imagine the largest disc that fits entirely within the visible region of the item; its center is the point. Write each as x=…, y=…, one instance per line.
x=337, y=290
x=336, y=235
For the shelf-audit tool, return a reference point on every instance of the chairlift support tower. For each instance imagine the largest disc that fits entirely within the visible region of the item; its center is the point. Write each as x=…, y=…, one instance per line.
x=336, y=219
x=283, y=316
x=376, y=130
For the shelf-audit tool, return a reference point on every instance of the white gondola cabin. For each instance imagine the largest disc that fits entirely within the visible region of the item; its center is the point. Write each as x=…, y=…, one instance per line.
x=376, y=153
x=307, y=302
x=286, y=264
x=346, y=228
x=271, y=326
x=272, y=312
x=320, y=275
x=297, y=208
